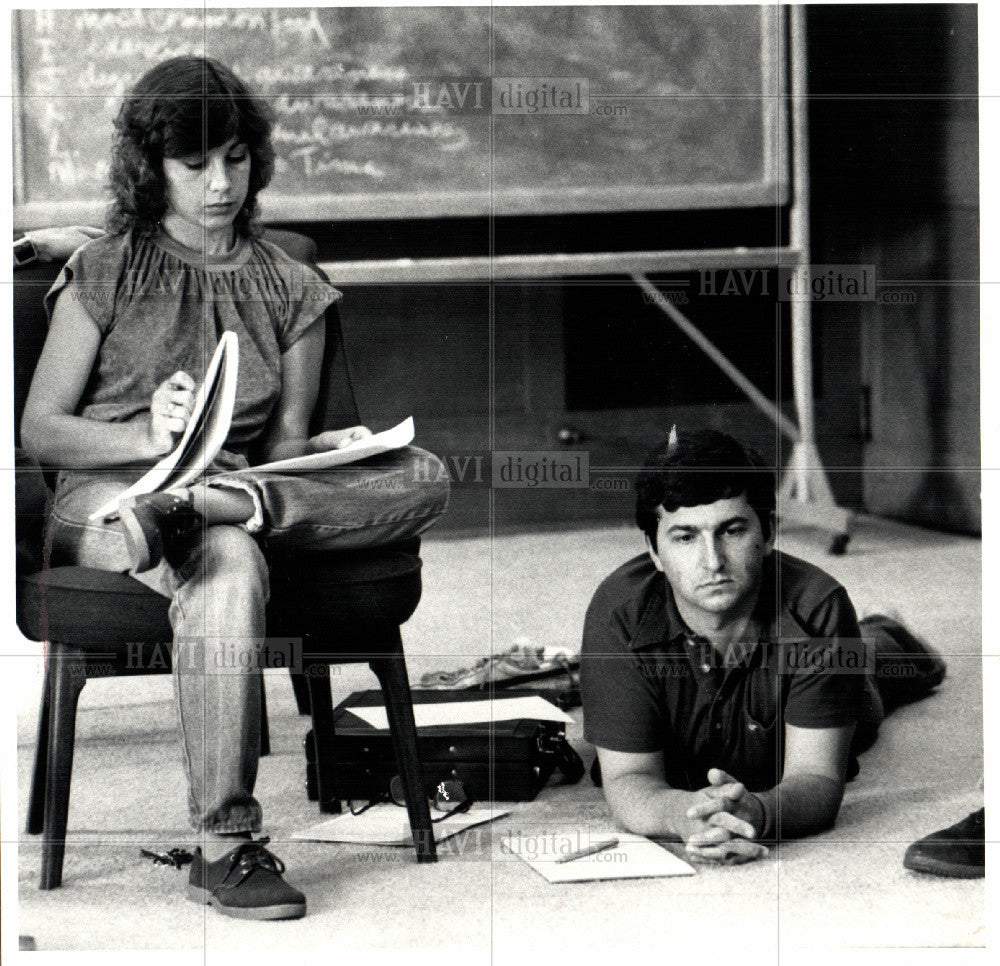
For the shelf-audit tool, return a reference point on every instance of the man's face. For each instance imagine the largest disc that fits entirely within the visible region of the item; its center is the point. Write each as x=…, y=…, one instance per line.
x=712, y=555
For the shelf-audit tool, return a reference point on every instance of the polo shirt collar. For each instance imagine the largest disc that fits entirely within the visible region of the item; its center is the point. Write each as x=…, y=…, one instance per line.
x=657, y=624
x=661, y=622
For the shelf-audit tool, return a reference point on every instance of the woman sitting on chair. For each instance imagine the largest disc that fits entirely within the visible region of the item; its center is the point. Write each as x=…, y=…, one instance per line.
x=134, y=319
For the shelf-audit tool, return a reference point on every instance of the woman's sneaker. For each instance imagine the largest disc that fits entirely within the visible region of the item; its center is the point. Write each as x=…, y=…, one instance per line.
x=246, y=883
x=158, y=526
x=958, y=852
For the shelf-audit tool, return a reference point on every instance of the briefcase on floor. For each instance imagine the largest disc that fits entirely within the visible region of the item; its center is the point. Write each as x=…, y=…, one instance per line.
x=508, y=761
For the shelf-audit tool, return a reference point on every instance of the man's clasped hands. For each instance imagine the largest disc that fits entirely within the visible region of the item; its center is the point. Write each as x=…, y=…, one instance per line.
x=724, y=822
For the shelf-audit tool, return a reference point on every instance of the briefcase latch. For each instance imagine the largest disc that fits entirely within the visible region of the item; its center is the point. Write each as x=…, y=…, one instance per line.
x=550, y=744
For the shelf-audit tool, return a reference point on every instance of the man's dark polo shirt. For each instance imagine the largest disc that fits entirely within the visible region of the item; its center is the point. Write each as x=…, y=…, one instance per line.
x=649, y=685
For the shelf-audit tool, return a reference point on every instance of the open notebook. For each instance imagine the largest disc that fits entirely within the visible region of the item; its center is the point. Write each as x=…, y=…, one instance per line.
x=208, y=427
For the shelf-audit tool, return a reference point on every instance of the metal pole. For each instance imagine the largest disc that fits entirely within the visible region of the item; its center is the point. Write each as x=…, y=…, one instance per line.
x=17, y=108
x=765, y=405
x=802, y=376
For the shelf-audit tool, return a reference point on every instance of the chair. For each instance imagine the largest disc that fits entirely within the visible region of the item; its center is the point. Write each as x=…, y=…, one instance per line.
x=346, y=606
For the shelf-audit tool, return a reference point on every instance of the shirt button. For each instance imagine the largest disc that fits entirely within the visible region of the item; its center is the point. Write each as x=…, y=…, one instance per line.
x=705, y=668
x=718, y=727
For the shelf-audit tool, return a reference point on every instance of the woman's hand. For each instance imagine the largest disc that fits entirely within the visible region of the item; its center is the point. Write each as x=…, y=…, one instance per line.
x=169, y=411
x=338, y=438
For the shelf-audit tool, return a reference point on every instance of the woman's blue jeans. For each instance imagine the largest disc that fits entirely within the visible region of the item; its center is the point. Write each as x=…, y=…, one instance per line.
x=218, y=597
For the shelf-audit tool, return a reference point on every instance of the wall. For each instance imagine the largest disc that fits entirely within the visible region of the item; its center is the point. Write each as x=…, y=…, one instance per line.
x=895, y=183
x=893, y=158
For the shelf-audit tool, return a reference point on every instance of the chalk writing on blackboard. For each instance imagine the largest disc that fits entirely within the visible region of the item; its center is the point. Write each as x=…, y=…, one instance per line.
x=695, y=91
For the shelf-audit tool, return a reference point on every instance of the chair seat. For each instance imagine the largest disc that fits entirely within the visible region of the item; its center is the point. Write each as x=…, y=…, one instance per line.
x=90, y=609
x=332, y=595
x=310, y=595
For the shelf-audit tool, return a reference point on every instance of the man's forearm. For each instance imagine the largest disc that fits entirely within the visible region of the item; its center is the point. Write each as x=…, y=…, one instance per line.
x=643, y=804
x=800, y=805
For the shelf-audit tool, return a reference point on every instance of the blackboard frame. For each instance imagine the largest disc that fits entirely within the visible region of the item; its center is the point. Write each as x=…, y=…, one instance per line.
x=772, y=190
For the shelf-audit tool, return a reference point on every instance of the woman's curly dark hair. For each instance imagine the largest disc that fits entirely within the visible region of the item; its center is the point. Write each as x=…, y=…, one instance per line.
x=183, y=106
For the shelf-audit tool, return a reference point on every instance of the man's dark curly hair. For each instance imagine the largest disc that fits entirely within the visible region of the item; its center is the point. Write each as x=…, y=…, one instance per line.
x=183, y=106
x=702, y=467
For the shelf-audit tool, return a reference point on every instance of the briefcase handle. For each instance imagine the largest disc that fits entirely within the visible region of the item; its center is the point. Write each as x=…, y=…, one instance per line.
x=567, y=760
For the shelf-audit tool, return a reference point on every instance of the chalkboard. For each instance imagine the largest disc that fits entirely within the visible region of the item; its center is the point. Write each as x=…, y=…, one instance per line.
x=407, y=112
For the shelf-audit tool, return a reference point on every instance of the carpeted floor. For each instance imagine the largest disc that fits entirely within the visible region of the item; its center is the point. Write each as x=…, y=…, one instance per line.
x=846, y=888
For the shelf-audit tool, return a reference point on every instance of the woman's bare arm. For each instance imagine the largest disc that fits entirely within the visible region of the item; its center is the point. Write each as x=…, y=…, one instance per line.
x=287, y=433
x=288, y=429
x=49, y=429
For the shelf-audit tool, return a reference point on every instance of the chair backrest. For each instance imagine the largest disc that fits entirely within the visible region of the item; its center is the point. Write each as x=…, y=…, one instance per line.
x=30, y=328
x=335, y=407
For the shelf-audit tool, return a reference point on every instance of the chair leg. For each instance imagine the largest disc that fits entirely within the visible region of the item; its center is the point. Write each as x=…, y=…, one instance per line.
x=391, y=672
x=265, y=730
x=67, y=676
x=321, y=703
x=300, y=686
x=36, y=798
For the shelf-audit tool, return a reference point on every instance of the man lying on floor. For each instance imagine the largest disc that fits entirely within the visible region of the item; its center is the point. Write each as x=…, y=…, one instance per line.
x=725, y=684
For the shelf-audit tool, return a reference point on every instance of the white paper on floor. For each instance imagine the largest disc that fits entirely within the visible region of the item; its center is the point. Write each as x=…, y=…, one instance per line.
x=634, y=857
x=390, y=825
x=534, y=708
